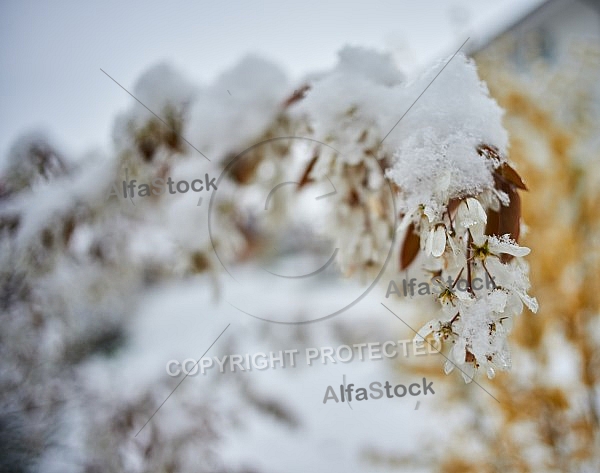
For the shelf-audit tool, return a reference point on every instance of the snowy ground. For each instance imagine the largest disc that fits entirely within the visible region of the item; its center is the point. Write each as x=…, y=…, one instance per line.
x=274, y=420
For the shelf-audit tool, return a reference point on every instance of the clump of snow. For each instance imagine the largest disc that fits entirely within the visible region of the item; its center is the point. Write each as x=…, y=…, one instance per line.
x=238, y=106
x=436, y=158
x=32, y=160
x=350, y=106
x=431, y=168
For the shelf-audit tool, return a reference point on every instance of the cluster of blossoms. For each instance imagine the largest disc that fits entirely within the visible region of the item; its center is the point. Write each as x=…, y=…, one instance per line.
x=428, y=170
x=343, y=110
x=454, y=190
x=474, y=236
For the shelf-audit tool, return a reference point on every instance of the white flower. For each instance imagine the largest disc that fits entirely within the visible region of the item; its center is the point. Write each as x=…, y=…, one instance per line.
x=480, y=337
x=471, y=216
x=454, y=301
x=440, y=329
x=513, y=278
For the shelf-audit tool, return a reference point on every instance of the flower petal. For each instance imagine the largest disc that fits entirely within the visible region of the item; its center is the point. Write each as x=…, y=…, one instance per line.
x=477, y=210
x=438, y=241
x=506, y=246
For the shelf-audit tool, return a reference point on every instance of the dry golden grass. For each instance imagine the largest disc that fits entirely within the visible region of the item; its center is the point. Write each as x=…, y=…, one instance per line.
x=562, y=215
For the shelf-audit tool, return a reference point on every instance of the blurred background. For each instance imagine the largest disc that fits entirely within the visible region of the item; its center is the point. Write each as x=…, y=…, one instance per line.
x=98, y=294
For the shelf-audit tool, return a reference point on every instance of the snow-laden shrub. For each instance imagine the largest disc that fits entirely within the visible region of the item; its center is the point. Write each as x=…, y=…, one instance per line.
x=75, y=258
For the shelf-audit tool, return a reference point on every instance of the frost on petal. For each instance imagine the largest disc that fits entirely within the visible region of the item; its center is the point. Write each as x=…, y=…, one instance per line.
x=497, y=300
x=503, y=360
x=514, y=305
x=530, y=302
x=504, y=245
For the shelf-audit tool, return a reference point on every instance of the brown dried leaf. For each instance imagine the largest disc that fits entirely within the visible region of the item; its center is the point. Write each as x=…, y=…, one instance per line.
x=510, y=216
x=410, y=247
x=512, y=176
x=493, y=223
x=507, y=219
x=506, y=172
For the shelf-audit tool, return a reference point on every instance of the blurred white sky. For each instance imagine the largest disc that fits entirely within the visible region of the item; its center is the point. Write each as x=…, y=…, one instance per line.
x=51, y=52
